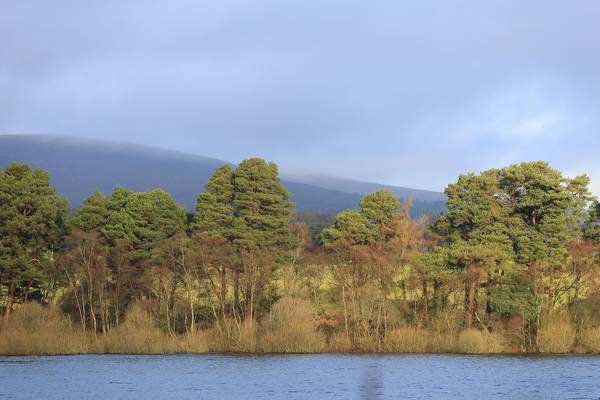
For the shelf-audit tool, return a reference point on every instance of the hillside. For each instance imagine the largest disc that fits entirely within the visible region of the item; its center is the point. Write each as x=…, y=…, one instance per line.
x=81, y=166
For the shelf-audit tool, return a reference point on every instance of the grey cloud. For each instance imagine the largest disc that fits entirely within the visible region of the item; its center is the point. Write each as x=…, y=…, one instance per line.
x=400, y=92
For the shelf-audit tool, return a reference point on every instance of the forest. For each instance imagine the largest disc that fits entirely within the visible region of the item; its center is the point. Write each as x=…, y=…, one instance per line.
x=512, y=267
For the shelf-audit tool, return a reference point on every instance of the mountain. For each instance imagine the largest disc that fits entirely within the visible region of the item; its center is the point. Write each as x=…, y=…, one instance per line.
x=79, y=167
x=362, y=188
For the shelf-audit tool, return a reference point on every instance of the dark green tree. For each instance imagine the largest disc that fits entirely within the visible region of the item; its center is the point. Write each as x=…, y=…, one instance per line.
x=476, y=233
x=250, y=208
x=214, y=208
x=143, y=219
x=350, y=226
x=93, y=214
x=262, y=208
x=32, y=223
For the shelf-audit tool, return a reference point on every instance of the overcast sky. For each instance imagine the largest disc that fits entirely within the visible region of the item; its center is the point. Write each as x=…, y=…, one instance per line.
x=404, y=93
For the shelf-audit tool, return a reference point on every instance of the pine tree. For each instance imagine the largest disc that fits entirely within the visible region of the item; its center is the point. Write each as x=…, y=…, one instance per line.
x=32, y=223
x=93, y=214
x=261, y=206
x=214, y=208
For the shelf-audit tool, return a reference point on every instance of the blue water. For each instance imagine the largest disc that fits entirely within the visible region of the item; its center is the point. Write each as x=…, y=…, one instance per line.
x=292, y=377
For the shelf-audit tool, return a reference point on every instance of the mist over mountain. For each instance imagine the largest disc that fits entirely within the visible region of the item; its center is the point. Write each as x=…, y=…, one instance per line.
x=362, y=188
x=80, y=166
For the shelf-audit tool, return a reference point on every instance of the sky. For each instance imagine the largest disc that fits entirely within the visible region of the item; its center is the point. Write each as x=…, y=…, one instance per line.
x=404, y=93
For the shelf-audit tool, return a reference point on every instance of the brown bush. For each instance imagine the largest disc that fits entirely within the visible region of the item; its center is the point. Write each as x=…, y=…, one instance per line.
x=196, y=342
x=229, y=335
x=590, y=338
x=138, y=334
x=474, y=341
x=407, y=340
x=442, y=342
x=290, y=328
x=37, y=329
x=339, y=343
x=557, y=335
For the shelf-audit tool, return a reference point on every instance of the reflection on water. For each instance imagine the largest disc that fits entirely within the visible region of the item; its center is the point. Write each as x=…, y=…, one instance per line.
x=296, y=377
x=371, y=385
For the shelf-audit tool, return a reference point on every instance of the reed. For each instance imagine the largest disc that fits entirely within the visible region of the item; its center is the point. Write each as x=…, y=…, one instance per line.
x=557, y=335
x=290, y=328
x=590, y=338
x=474, y=341
x=37, y=329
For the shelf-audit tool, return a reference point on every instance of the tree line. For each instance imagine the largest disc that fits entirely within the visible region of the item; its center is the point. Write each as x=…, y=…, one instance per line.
x=515, y=257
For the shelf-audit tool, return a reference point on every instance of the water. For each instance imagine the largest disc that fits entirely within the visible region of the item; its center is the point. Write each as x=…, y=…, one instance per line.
x=291, y=377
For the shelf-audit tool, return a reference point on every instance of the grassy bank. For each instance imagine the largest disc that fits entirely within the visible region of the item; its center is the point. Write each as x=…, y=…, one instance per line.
x=288, y=328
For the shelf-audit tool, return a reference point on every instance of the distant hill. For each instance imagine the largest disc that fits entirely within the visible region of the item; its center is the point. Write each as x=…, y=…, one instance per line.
x=79, y=167
x=362, y=188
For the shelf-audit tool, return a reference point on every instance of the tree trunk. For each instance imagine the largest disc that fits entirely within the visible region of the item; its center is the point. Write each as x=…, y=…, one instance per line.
x=425, y=301
x=10, y=299
x=471, y=287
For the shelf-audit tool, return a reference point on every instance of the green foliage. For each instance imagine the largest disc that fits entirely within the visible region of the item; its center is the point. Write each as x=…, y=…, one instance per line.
x=249, y=206
x=380, y=207
x=592, y=223
x=93, y=214
x=143, y=219
x=375, y=220
x=351, y=226
x=545, y=208
x=515, y=240
x=523, y=215
x=513, y=297
x=214, y=208
x=32, y=223
x=261, y=205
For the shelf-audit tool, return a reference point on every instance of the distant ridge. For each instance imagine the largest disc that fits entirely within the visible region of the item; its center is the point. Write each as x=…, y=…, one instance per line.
x=362, y=188
x=81, y=166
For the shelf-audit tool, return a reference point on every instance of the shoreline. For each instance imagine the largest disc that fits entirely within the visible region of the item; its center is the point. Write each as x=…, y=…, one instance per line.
x=357, y=353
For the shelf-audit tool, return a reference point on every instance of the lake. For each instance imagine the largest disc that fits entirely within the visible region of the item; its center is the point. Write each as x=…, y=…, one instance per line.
x=289, y=377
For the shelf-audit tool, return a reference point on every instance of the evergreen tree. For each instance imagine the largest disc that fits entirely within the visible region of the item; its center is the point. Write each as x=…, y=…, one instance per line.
x=93, y=214
x=476, y=232
x=144, y=219
x=262, y=209
x=546, y=211
x=214, y=208
x=592, y=223
x=32, y=223
x=380, y=207
x=352, y=227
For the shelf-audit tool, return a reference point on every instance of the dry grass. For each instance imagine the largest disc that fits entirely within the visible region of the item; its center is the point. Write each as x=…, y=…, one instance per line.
x=138, y=334
x=590, y=338
x=407, y=340
x=35, y=329
x=290, y=328
x=339, y=343
x=474, y=341
x=233, y=336
x=196, y=342
x=442, y=342
x=557, y=335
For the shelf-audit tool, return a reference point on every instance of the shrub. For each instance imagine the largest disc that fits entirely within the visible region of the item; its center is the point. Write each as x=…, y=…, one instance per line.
x=557, y=335
x=339, y=343
x=196, y=342
x=290, y=328
x=407, y=340
x=138, y=334
x=245, y=338
x=442, y=342
x=37, y=329
x=474, y=341
x=591, y=339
